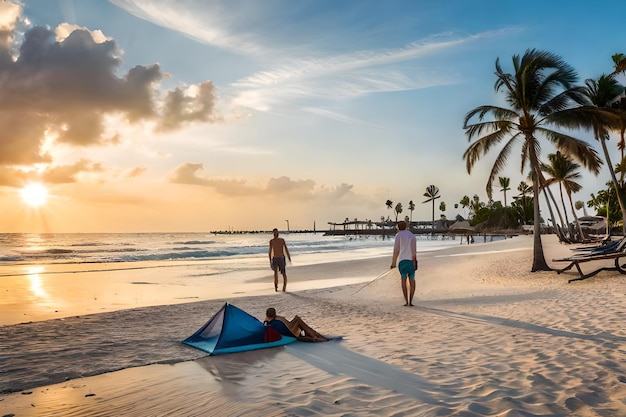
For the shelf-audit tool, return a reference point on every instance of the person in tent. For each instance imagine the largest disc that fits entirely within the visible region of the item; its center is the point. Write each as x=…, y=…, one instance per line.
x=295, y=328
x=278, y=249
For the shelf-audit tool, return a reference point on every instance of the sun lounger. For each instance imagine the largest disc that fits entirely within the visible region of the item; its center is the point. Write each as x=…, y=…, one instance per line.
x=606, y=244
x=606, y=253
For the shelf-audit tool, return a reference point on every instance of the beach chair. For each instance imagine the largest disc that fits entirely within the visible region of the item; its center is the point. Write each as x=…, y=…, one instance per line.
x=605, y=253
x=606, y=244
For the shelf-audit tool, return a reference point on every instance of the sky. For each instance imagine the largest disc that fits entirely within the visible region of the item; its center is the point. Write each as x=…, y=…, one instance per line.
x=182, y=116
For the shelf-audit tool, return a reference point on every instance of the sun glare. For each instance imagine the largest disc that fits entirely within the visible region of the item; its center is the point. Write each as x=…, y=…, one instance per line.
x=35, y=195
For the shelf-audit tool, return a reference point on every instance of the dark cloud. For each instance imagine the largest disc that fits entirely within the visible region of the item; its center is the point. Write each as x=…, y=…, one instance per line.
x=180, y=108
x=65, y=88
x=282, y=186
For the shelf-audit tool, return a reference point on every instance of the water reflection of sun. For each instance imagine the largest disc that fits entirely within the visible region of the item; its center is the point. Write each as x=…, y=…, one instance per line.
x=36, y=285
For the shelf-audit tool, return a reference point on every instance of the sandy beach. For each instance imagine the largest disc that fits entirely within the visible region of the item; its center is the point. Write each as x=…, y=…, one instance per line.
x=486, y=338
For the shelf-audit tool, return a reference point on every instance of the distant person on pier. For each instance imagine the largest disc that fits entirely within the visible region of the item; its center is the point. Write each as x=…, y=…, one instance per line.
x=405, y=251
x=278, y=249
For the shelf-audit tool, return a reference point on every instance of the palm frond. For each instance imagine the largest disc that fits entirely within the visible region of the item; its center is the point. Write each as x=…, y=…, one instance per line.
x=481, y=147
x=574, y=148
x=500, y=163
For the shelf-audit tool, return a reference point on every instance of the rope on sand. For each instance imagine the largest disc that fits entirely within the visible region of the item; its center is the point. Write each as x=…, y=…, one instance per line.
x=380, y=276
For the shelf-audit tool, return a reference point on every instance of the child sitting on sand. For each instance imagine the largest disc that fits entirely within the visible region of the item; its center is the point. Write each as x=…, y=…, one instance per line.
x=295, y=328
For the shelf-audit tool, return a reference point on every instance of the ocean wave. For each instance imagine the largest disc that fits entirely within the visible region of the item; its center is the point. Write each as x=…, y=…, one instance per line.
x=196, y=242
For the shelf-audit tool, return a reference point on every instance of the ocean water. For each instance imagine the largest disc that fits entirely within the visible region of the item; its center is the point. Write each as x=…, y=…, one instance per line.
x=81, y=248
x=45, y=276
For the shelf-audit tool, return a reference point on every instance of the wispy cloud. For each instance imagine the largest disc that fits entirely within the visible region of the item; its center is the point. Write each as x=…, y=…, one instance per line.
x=293, y=72
x=207, y=25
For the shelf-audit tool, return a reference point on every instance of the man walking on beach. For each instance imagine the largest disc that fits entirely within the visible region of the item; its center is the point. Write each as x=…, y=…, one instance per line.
x=405, y=251
x=278, y=249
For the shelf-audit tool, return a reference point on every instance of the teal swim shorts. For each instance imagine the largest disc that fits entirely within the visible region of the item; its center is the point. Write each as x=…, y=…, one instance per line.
x=406, y=269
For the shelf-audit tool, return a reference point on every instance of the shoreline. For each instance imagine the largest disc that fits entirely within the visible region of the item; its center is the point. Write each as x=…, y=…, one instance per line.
x=487, y=337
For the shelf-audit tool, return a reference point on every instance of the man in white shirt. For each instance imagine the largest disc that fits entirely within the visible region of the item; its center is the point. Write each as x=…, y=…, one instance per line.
x=405, y=252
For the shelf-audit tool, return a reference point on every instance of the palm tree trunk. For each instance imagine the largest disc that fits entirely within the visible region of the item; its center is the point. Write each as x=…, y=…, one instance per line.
x=615, y=183
x=548, y=195
x=539, y=260
x=580, y=229
x=563, y=203
x=433, y=214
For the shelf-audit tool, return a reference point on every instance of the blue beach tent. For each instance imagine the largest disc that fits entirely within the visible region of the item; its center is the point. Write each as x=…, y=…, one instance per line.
x=232, y=330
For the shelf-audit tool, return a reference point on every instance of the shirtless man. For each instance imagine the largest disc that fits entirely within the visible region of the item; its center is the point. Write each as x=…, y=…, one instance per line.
x=277, y=259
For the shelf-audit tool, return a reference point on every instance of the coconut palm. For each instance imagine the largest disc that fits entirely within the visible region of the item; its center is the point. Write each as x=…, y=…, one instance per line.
x=601, y=93
x=524, y=189
x=398, y=210
x=564, y=171
x=504, y=184
x=465, y=202
x=432, y=193
x=619, y=62
x=540, y=96
x=411, y=208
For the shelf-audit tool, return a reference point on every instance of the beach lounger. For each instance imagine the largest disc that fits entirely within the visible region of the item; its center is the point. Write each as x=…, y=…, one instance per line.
x=605, y=244
x=610, y=252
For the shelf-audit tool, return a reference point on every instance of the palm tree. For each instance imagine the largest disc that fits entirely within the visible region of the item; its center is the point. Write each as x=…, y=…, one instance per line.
x=601, y=93
x=398, y=210
x=504, y=184
x=524, y=189
x=564, y=171
x=432, y=193
x=465, y=202
x=541, y=95
x=389, y=204
x=619, y=61
x=475, y=204
x=579, y=204
x=442, y=209
x=411, y=208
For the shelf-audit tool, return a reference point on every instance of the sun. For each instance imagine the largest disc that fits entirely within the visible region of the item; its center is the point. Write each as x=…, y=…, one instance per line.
x=34, y=195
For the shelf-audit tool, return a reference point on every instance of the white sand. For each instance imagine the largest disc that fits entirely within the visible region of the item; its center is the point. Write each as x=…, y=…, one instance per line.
x=487, y=338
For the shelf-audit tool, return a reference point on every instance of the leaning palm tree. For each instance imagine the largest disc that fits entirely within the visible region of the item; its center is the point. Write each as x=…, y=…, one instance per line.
x=541, y=96
x=432, y=193
x=504, y=184
x=564, y=171
x=601, y=93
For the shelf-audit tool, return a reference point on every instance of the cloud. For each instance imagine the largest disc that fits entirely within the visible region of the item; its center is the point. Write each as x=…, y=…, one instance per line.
x=294, y=67
x=353, y=74
x=135, y=172
x=209, y=26
x=64, y=174
x=61, y=85
x=11, y=177
x=285, y=187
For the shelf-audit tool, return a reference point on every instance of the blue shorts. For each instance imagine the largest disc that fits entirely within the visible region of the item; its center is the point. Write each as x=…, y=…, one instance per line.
x=406, y=269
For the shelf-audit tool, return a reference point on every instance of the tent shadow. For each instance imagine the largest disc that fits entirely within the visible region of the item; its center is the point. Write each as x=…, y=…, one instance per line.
x=235, y=367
